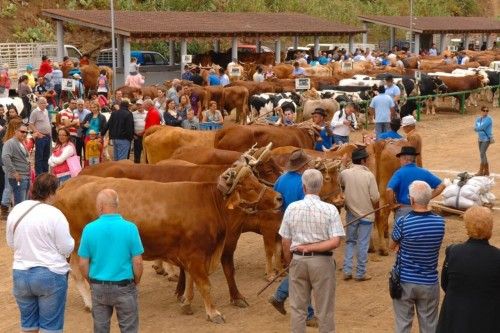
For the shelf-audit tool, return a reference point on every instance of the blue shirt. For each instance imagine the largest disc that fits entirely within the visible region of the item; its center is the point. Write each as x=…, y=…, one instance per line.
x=389, y=135
x=392, y=91
x=110, y=242
x=404, y=176
x=289, y=185
x=94, y=124
x=298, y=71
x=382, y=104
x=419, y=235
x=323, y=60
x=327, y=141
x=483, y=127
x=213, y=80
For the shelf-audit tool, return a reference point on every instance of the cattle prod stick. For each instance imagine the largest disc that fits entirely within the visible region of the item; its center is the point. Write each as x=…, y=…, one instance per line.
x=362, y=216
x=283, y=271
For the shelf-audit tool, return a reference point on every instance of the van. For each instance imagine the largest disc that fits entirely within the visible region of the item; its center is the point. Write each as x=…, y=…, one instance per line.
x=144, y=58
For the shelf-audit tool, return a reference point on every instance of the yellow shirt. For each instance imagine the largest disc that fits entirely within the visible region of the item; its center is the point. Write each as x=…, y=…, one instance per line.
x=93, y=149
x=31, y=80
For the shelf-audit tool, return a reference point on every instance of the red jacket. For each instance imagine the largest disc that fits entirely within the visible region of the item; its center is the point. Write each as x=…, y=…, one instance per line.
x=152, y=118
x=44, y=68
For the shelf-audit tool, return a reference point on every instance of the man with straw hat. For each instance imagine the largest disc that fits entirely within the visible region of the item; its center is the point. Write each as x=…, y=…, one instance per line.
x=289, y=185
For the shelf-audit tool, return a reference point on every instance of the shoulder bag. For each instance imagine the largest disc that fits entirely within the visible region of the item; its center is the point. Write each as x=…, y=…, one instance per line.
x=395, y=288
x=490, y=138
x=22, y=217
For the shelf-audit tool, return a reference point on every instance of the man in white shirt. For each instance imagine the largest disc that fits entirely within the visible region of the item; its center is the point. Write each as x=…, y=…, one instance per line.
x=224, y=79
x=139, y=122
x=258, y=76
x=311, y=230
x=433, y=51
x=342, y=122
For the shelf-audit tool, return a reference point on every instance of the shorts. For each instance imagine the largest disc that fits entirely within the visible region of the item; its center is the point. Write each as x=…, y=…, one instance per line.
x=41, y=297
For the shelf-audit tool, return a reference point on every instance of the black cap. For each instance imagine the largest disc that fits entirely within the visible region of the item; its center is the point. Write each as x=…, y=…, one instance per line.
x=320, y=111
x=408, y=150
x=359, y=154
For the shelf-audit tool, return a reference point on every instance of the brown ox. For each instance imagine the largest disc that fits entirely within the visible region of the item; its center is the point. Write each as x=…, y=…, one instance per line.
x=456, y=84
x=241, y=138
x=202, y=155
x=282, y=154
x=263, y=58
x=254, y=87
x=168, y=231
x=147, y=91
x=283, y=71
x=229, y=98
x=160, y=142
x=329, y=105
x=90, y=74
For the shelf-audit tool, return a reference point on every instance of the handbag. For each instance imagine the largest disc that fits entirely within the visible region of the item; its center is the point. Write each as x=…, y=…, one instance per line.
x=395, y=288
x=74, y=165
x=490, y=138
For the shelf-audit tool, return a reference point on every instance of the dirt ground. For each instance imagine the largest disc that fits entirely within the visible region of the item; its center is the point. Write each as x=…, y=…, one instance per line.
x=449, y=144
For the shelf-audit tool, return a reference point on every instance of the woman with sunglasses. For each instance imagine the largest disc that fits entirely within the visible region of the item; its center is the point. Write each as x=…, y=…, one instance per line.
x=484, y=128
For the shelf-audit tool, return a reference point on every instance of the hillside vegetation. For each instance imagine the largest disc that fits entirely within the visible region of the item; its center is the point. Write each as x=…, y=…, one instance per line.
x=21, y=22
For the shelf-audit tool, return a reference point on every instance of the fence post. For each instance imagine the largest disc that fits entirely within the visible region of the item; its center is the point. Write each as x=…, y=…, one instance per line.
x=419, y=106
x=462, y=103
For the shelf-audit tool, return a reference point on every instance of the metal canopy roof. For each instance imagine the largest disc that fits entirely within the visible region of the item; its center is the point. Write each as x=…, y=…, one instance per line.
x=167, y=24
x=438, y=24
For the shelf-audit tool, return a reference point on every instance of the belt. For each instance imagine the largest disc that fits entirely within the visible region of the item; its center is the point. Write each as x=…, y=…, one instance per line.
x=312, y=254
x=121, y=283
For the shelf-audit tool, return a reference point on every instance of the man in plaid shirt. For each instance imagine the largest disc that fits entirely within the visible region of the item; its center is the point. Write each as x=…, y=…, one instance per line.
x=311, y=230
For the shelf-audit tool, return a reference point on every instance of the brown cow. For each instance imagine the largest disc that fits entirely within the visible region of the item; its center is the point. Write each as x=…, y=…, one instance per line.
x=236, y=98
x=282, y=154
x=160, y=142
x=254, y=87
x=150, y=91
x=193, y=246
x=241, y=138
x=283, y=71
x=203, y=155
x=456, y=84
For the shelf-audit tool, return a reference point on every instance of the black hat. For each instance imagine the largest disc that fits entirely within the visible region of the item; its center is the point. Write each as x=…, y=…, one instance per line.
x=320, y=111
x=389, y=77
x=359, y=154
x=408, y=150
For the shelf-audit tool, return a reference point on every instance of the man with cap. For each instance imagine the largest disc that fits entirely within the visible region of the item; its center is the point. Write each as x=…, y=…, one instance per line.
x=414, y=139
x=139, y=124
x=326, y=134
x=289, y=185
x=397, y=187
x=384, y=108
x=393, y=133
x=361, y=197
x=31, y=76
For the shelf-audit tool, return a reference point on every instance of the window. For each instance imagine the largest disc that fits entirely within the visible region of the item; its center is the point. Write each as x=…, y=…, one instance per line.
x=159, y=60
x=148, y=59
x=73, y=53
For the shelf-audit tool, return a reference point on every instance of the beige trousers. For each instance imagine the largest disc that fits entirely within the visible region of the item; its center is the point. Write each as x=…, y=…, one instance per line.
x=312, y=273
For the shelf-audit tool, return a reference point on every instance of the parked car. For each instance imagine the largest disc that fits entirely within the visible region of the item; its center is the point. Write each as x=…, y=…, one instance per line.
x=144, y=58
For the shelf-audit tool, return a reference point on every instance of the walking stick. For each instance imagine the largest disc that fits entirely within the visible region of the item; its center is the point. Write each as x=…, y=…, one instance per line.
x=365, y=215
x=272, y=281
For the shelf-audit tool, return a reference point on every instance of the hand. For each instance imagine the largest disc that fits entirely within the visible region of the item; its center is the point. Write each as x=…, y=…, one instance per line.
x=396, y=248
x=395, y=206
x=302, y=248
x=17, y=176
x=347, y=122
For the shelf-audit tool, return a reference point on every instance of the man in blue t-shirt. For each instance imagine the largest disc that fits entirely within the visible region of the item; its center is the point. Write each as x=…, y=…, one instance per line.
x=392, y=90
x=417, y=238
x=326, y=133
x=111, y=261
x=213, y=79
x=397, y=188
x=383, y=106
x=289, y=185
x=393, y=133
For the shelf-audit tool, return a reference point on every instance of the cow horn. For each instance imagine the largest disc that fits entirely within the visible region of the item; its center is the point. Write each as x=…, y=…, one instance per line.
x=242, y=172
x=265, y=152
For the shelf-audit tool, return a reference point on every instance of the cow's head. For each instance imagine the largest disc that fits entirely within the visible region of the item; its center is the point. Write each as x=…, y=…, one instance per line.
x=263, y=165
x=331, y=191
x=241, y=189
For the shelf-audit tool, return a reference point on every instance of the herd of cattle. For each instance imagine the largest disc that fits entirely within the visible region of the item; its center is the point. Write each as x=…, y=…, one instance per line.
x=213, y=185
x=330, y=85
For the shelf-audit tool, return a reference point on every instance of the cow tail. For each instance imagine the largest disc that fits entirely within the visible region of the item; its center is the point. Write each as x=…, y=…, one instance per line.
x=245, y=108
x=181, y=283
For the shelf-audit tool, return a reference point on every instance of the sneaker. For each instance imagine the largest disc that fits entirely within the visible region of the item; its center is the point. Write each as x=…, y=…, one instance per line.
x=365, y=277
x=347, y=277
x=279, y=306
x=313, y=322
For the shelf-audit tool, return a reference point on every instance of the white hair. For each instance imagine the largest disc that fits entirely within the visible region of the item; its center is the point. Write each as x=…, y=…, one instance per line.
x=421, y=192
x=312, y=180
x=80, y=101
x=107, y=197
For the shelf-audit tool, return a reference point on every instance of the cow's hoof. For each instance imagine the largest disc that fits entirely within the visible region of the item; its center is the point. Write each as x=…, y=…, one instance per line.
x=173, y=278
x=383, y=252
x=181, y=298
x=186, y=309
x=158, y=270
x=240, y=302
x=371, y=250
x=217, y=319
x=270, y=277
x=88, y=308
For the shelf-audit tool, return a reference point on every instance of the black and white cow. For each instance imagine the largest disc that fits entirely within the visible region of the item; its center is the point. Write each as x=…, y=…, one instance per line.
x=266, y=103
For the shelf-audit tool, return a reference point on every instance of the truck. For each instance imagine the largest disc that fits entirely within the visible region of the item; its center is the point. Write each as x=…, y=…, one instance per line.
x=19, y=55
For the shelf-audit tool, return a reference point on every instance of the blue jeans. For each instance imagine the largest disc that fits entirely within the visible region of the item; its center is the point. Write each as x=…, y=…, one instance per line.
x=42, y=154
x=382, y=128
x=281, y=295
x=483, y=147
x=340, y=139
x=20, y=191
x=63, y=179
x=357, y=237
x=7, y=190
x=105, y=298
x=120, y=149
x=402, y=211
x=41, y=297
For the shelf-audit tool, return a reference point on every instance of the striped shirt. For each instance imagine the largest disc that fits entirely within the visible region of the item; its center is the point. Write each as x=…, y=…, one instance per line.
x=310, y=221
x=419, y=235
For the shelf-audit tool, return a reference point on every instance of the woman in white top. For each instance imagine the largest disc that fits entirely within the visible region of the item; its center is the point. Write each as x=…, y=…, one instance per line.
x=212, y=115
x=63, y=150
x=39, y=235
x=161, y=101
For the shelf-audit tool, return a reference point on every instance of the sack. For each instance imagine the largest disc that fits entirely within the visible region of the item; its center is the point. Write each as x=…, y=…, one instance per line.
x=395, y=289
x=74, y=165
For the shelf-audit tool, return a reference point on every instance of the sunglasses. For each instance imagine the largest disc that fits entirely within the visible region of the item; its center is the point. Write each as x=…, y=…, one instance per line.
x=485, y=110
x=23, y=132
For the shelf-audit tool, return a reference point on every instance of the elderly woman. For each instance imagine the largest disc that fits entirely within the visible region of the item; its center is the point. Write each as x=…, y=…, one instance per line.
x=471, y=279
x=212, y=115
x=484, y=128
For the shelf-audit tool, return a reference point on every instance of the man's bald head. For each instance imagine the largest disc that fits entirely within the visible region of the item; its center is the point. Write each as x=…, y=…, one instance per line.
x=107, y=201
